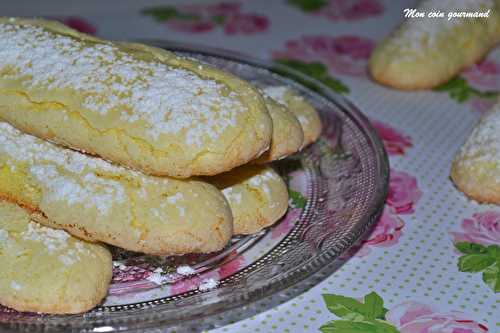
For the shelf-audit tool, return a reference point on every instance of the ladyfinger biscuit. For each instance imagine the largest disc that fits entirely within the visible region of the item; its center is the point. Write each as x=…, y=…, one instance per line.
x=476, y=167
x=425, y=52
x=287, y=137
x=97, y=201
x=47, y=270
x=257, y=195
x=131, y=104
x=305, y=113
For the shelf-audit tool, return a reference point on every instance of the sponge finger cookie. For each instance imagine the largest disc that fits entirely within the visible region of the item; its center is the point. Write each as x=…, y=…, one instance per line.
x=287, y=137
x=304, y=112
x=135, y=105
x=97, y=201
x=47, y=270
x=426, y=52
x=257, y=195
x=476, y=168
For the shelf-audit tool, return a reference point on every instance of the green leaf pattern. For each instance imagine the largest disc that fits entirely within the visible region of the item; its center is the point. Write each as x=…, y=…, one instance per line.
x=297, y=199
x=460, y=90
x=357, y=317
x=162, y=14
x=308, y=5
x=479, y=258
x=315, y=70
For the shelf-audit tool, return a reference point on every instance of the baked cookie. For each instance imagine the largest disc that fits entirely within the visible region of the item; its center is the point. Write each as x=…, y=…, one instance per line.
x=47, y=270
x=423, y=53
x=257, y=195
x=131, y=104
x=287, y=137
x=97, y=201
x=304, y=112
x=476, y=168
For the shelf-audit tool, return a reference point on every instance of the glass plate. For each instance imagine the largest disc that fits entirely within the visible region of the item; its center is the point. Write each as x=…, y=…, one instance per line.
x=337, y=188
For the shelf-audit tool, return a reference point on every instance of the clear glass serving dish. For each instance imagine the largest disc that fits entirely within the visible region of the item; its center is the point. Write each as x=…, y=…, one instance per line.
x=337, y=188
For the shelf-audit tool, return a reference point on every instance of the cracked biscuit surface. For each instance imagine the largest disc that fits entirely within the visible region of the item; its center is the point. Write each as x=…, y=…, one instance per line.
x=304, y=112
x=47, y=270
x=423, y=53
x=135, y=105
x=476, y=167
x=287, y=137
x=257, y=195
x=98, y=201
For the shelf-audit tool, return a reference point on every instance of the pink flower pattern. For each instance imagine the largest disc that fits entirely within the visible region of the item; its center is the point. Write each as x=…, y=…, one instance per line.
x=344, y=55
x=233, y=266
x=244, y=24
x=414, y=317
x=386, y=233
x=483, y=76
x=350, y=10
x=402, y=197
x=482, y=228
x=395, y=142
x=130, y=273
x=200, y=18
x=77, y=23
x=403, y=192
x=286, y=224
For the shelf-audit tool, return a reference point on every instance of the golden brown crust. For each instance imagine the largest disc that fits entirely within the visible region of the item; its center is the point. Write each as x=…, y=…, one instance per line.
x=257, y=195
x=482, y=193
x=303, y=111
x=287, y=138
x=423, y=75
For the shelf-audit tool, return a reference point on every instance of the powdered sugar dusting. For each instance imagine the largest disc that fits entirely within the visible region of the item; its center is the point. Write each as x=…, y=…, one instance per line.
x=277, y=93
x=54, y=241
x=66, y=175
x=157, y=277
x=174, y=198
x=262, y=178
x=232, y=195
x=15, y=285
x=160, y=98
x=483, y=144
x=185, y=270
x=4, y=235
x=208, y=284
x=96, y=192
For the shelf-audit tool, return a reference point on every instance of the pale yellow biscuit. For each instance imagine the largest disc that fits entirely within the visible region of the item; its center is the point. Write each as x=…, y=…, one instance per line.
x=425, y=52
x=257, y=195
x=97, y=201
x=287, y=137
x=305, y=113
x=135, y=105
x=476, y=167
x=47, y=270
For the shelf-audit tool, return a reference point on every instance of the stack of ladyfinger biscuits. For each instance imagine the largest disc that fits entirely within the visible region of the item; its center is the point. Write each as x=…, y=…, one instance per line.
x=131, y=146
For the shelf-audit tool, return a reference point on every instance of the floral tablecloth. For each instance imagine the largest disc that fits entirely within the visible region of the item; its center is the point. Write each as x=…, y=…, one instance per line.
x=432, y=263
